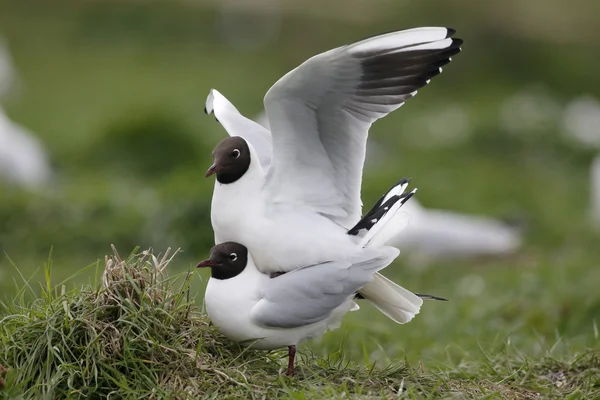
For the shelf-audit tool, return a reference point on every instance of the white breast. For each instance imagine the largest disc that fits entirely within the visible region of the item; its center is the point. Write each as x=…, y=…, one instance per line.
x=279, y=238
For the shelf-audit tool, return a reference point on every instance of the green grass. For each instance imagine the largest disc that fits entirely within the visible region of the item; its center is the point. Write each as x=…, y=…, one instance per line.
x=138, y=333
x=115, y=90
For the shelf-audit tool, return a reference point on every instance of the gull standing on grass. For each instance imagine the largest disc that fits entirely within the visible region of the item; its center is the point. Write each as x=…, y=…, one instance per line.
x=293, y=197
x=267, y=313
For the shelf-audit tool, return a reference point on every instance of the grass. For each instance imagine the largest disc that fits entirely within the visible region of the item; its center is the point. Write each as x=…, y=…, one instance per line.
x=138, y=333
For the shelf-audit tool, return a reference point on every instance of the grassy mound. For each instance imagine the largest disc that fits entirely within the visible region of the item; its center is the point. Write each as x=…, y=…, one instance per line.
x=138, y=333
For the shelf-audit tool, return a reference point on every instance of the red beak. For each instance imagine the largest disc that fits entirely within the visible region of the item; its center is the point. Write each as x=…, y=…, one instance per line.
x=207, y=263
x=212, y=170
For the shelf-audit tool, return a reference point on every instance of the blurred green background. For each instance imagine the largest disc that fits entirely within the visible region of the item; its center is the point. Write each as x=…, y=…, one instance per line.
x=115, y=91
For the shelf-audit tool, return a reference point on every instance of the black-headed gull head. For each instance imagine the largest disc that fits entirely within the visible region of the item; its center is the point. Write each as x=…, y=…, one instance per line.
x=226, y=261
x=231, y=160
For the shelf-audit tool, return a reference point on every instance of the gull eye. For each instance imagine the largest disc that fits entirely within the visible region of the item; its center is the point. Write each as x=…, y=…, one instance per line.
x=235, y=153
x=233, y=257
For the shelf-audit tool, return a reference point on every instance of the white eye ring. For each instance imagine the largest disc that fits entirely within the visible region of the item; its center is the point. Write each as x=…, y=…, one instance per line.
x=233, y=257
x=235, y=153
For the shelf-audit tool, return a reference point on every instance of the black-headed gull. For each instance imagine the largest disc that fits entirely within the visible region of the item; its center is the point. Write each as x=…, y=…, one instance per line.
x=266, y=313
x=292, y=197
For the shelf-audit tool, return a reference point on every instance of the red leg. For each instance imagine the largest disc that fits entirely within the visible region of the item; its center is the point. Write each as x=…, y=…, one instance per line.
x=291, y=357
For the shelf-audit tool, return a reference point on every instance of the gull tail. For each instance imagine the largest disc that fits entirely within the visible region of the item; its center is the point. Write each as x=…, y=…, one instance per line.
x=382, y=223
x=395, y=302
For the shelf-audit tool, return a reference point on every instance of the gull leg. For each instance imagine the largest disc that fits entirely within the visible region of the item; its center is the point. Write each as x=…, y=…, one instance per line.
x=291, y=357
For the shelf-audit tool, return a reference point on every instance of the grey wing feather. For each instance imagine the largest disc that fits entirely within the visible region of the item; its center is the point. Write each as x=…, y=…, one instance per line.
x=310, y=294
x=320, y=114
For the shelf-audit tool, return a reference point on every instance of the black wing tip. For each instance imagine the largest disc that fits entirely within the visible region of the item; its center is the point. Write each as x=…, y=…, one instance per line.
x=403, y=181
x=430, y=297
x=373, y=217
x=450, y=32
x=380, y=209
x=404, y=197
x=456, y=43
x=205, y=110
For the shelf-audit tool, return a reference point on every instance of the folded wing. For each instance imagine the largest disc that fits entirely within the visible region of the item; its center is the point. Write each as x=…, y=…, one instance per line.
x=310, y=294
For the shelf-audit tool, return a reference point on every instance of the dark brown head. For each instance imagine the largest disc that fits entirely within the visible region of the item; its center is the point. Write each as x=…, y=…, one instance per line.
x=226, y=260
x=231, y=160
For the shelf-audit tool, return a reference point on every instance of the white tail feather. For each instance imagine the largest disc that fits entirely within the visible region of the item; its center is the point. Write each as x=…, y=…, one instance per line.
x=397, y=303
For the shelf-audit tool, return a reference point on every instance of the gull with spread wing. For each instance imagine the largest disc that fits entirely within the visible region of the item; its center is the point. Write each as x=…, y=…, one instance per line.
x=292, y=195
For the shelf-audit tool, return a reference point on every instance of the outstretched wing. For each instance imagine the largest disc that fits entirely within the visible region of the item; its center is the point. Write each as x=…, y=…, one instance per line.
x=320, y=114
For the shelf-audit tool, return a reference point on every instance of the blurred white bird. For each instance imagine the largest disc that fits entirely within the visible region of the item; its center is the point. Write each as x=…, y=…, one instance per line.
x=23, y=160
x=436, y=234
x=581, y=122
x=595, y=190
x=7, y=71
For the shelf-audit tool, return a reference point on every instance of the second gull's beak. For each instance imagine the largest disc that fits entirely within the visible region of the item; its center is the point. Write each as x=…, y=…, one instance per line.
x=207, y=263
x=212, y=170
